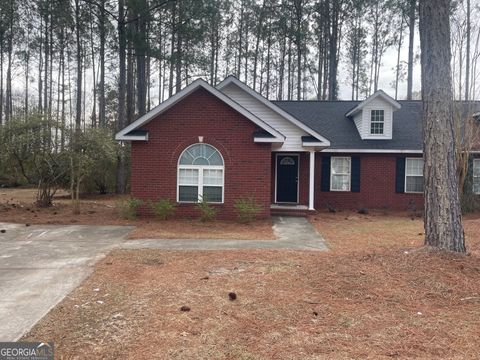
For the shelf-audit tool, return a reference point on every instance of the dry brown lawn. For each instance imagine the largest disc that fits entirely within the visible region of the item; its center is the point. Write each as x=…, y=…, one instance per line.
x=17, y=205
x=376, y=295
x=380, y=230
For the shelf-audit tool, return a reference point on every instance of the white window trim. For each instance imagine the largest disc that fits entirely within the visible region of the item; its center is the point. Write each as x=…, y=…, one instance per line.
x=405, y=183
x=377, y=122
x=349, y=174
x=475, y=161
x=200, y=169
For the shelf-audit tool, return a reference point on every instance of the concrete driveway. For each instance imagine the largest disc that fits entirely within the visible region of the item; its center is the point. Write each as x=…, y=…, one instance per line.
x=41, y=264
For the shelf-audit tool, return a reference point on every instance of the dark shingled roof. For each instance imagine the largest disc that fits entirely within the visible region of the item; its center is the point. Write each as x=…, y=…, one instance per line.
x=328, y=119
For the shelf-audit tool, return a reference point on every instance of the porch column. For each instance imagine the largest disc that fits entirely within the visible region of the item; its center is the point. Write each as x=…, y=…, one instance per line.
x=311, y=191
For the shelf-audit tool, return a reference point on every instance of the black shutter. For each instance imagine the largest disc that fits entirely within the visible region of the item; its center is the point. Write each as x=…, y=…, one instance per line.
x=400, y=175
x=325, y=181
x=355, y=186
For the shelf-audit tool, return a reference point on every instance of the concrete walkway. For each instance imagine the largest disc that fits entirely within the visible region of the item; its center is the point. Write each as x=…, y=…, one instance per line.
x=293, y=233
x=41, y=264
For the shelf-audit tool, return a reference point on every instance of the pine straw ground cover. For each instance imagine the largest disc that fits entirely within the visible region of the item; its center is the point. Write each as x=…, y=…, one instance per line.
x=396, y=301
x=17, y=205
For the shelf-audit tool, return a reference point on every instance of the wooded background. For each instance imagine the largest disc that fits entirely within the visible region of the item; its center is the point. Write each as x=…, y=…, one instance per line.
x=95, y=62
x=99, y=64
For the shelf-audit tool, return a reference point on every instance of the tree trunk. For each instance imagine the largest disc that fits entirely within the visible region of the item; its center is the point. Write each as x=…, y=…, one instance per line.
x=443, y=218
x=8, y=93
x=94, y=77
x=399, y=49
x=1, y=79
x=179, y=52
x=333, y=47
x=130, y=71
x=121, y=173
x=101, y=83
x=467, y=55
x=411, y=38
x=172, y=50
x=140, y=55
x=78, y=109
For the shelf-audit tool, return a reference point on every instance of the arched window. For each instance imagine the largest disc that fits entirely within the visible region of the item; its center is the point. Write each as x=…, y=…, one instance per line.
x=200, y=174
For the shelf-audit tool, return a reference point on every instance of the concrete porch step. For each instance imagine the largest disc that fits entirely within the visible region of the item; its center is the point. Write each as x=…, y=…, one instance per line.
x=289, y=210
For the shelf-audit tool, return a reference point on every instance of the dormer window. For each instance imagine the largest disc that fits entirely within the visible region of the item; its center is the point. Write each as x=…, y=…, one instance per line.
x=377, y=122
x=373, y=117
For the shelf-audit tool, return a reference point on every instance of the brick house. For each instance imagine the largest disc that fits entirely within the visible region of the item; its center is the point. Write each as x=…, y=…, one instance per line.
x=228, y=142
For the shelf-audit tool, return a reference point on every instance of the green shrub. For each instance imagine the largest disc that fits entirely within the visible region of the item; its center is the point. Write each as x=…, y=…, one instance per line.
x=163, y=208
x=128, y=207
x=247, y=209
x=207, y=211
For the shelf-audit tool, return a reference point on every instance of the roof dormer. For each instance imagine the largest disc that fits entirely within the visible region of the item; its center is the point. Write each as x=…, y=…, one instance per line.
x=373, y=117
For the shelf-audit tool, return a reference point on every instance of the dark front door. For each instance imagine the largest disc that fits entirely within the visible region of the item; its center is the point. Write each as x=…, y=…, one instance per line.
x=287, y=178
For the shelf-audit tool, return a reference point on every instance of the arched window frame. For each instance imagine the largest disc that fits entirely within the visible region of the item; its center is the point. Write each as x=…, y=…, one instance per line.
x=200, y=183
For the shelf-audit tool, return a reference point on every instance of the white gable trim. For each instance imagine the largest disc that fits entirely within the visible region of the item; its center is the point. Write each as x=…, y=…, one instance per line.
x=379, y=93
x=232, y=79
x=199, y=83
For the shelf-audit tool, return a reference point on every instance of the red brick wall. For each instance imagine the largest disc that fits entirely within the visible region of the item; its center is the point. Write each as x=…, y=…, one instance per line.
x=247, y=164
x=377, y=186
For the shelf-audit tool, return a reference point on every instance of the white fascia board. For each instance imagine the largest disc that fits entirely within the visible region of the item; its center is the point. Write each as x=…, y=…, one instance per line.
x=373, y=151
x=131, y=138
x=312, y=144
x=188, y=90
x=378, y=93
x=267, y=140
x=232, y=79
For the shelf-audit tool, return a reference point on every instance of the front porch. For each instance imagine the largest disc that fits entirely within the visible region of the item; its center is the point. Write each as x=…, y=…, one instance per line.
x=293, y=182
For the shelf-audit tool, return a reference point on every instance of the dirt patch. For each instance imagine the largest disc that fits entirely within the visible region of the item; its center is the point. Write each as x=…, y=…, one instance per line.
x=17, y=205
x=306, y=305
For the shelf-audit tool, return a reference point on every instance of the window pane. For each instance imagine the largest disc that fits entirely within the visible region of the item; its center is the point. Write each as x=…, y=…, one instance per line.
x=376, y=122
x=200, y=161
x=201, y=154
x=341, y=182
x=186, y=158
x=188, y=193
x=476, y=185
x=476, y=167
x=377, y=115
x=414, y=167
x=212, y=193
x=212, y=177
x=376, y=128
x=414, y=184
x=340, y=166
x=188, y=176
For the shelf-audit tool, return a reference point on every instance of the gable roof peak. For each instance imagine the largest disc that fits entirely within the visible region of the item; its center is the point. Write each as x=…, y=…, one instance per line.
x=231, y=79
x=377, y=94
x=167, y=104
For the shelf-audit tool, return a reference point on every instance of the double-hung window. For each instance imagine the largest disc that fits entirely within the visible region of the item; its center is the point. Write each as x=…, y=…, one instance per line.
x=413, y=175
x=476, y=176
x=377, y=122
x=200, y=174
x=340, y=174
